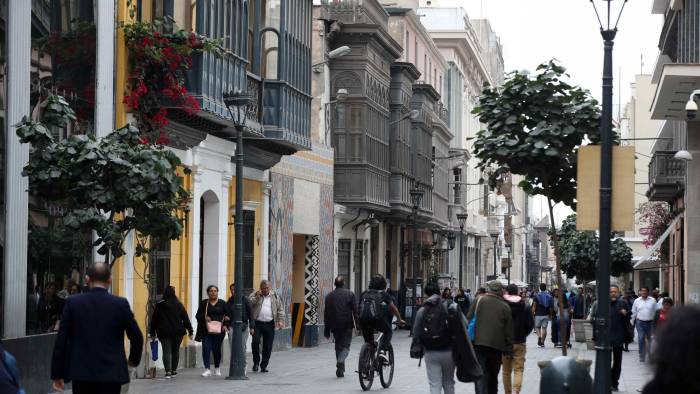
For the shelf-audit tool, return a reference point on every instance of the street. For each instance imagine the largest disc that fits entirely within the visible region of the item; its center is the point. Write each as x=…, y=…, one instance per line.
x=313, y=371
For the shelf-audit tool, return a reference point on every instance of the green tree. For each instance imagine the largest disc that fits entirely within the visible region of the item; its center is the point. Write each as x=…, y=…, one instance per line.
x=579, y=252
x=534, y=126
x=112, y=186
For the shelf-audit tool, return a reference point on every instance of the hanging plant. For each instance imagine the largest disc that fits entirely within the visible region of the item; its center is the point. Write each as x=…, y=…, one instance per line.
x=654, y=217
x=160, y=55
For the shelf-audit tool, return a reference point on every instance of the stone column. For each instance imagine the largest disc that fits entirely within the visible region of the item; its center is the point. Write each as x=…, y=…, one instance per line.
x=104, y=80
x=14, y=300
x=692, y=218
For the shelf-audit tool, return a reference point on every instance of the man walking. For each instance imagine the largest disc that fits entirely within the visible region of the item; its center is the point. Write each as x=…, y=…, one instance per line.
x=643, y=311
x=248, y=327
x=339, y=317
x=578, y=304
x=493, y=335
x=543, y=307
x=267, y=312
x=618, y=331
x=432, y=340
x=523, y=323
x=89, y=348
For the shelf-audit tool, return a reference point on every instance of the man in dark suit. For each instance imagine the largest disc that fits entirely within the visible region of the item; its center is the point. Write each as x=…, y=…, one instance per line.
x=339, y=318
x=89, y=349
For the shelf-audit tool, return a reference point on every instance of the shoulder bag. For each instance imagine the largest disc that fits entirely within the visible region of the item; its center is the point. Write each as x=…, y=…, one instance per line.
x=471, y=328
x=214, y=327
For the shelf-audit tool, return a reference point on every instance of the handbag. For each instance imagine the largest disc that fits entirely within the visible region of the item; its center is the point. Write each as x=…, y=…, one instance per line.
x=471, y=328
x=214, y=326
x=154, y=350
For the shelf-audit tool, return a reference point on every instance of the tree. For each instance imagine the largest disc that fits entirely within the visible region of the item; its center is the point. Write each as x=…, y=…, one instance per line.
x=534, y=126
x=111, y=186
x=579, y=252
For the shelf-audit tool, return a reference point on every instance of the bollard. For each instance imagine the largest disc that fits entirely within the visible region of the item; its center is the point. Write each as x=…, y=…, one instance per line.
x=565, y=375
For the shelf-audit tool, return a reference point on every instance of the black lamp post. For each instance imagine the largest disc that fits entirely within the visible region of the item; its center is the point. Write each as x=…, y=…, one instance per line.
x=494, y=237
x=602, y=321
x=462, y=219
x=237, y=104
x=508, y=246
x=416, y=197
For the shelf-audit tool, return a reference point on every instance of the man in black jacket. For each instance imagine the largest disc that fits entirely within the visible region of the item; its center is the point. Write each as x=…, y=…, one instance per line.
x=619, y=315
x=339, y=318
x=89, y=348
x=523, y=323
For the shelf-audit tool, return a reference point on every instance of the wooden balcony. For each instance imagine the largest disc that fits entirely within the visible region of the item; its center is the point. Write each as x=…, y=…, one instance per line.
x=666, y=177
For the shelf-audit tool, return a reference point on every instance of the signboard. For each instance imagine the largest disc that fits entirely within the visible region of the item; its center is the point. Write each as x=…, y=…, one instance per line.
x=588, y=188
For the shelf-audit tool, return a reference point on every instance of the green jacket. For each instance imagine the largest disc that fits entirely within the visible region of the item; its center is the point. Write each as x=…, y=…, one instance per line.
x=494, y=322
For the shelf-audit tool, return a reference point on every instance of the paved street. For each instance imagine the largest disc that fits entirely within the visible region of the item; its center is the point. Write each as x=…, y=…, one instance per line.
x=312, y=371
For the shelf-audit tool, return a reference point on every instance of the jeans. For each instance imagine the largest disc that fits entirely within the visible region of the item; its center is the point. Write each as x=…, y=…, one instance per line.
x=616, y=365
x=490, y=361
x=244, y=339
x=265, y=333
x=514, y=364
x=381, y=326
x=212, y=344
x=171, y=353
x=96, y=387
x=343, y=338
x=440, y=368
x=643, y=335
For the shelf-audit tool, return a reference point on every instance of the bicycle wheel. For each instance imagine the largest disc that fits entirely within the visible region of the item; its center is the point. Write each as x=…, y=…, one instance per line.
x=386, y=369
x=365, y=368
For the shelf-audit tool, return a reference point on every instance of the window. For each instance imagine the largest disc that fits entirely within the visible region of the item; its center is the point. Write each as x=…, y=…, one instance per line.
x=457, y=173
x=344, y=259
x=432, y=167
x=160, y=267
x=248, y=249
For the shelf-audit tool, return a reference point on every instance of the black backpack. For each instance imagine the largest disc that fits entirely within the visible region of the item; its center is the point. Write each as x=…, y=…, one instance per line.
x=436, y=332
x=371, y=309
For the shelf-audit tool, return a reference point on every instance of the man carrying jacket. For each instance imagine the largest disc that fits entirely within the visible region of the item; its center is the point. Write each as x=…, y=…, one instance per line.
x=493, y=335
x=523, y=323
x=267, y=312
x=339, y=317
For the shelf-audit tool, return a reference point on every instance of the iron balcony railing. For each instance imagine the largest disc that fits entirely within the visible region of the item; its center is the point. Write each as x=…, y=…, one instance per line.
x=666, y=176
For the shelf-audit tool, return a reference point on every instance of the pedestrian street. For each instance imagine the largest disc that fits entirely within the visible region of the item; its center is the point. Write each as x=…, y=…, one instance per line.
x=312, y=370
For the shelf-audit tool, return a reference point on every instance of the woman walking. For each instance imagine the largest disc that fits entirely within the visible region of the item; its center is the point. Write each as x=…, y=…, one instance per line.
x=169, y=324
x=211, y=315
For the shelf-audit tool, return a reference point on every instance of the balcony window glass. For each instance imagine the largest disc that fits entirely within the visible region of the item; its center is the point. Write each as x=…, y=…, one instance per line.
x=270, y=42
x=63, y=59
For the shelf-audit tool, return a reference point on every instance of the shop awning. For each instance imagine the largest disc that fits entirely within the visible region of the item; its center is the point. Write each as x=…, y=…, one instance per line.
x=651, y=251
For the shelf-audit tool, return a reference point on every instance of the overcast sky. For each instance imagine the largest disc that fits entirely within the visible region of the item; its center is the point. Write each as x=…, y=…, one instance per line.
x=534, y=31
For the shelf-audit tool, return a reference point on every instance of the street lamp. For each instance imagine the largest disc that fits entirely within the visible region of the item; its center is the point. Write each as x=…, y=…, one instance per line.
x=462, y=219
x=494, y=233
x=602, y=364
x=416, y=197
x=326, y=99
x=508, y=246
x=237, y=103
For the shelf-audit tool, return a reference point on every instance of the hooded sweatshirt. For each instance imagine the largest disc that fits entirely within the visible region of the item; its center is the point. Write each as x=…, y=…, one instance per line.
x=523, y=322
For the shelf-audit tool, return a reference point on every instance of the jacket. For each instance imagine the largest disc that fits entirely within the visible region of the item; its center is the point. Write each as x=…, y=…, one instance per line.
x=256, y=302
x=416, y=347
x=618, y=322
x=90, y=342
x=247, y=321
x=523, y=321
x=340, y=311
x=218, y=312
x=494, y=323
x=170, y=320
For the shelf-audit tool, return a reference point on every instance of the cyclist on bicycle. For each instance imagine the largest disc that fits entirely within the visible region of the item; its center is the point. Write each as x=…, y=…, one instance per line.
x=374, y=305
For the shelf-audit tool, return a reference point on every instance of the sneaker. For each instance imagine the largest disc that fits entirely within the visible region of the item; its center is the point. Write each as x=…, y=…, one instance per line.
x=218, y=372
x=557, y=345
x=255, y=367
x=173, y=374
x=263, y=369
x=167, y=375
x=384, y=357
x=206, y=374
x=569, y=345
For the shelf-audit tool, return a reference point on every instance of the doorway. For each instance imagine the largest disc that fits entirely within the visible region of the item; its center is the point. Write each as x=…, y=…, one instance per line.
x=209, y=238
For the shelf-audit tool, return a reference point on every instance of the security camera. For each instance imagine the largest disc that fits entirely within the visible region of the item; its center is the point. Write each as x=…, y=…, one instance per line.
x=691, y=107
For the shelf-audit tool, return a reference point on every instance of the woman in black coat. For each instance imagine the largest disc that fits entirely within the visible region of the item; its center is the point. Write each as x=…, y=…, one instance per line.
x=212, y=310
x=169, y=324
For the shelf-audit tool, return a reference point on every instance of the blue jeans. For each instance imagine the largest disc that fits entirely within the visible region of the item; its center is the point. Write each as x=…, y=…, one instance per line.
x=643, y=334
x=212, y=344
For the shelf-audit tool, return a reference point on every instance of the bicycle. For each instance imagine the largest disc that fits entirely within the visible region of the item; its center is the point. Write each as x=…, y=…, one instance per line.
x=371, y=362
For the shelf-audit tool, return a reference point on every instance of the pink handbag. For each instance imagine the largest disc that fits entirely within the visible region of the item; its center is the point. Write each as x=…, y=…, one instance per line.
x=214, y=326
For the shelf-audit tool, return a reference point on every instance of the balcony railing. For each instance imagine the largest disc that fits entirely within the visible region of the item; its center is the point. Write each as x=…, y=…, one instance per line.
x=443, y=113
x=666, y=176
x=358, y=11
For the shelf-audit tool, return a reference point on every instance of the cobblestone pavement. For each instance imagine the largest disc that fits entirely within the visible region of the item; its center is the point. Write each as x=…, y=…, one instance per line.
x=313, y=371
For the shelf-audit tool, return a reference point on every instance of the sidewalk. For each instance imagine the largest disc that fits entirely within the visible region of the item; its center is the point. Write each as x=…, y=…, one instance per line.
x=313, y=371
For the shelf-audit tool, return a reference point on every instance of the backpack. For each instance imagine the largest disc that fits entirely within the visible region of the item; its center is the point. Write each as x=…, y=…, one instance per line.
x=371, y=309
x=435, y=334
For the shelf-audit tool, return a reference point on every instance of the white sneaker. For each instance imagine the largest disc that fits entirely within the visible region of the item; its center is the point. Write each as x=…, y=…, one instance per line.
x=206, y=374
x=218, y=372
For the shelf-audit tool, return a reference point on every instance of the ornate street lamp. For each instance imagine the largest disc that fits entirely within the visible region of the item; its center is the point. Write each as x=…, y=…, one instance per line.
x=602, y=364
x=451, y=238
x=508, y=249
x=416, y=198
x=462, y=220
x=237, y=104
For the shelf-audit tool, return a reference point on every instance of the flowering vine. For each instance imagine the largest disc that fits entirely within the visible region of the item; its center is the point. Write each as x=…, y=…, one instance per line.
x=654, y=217
x=160, y=55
